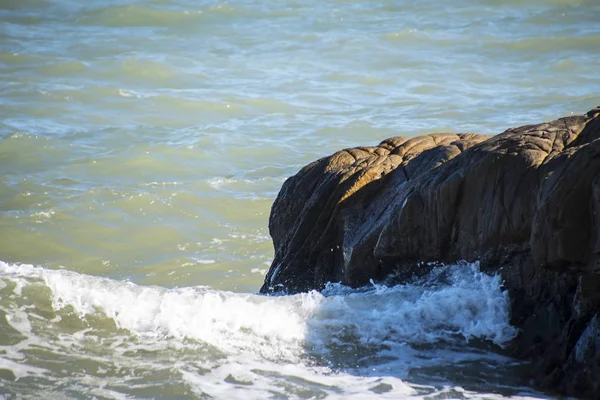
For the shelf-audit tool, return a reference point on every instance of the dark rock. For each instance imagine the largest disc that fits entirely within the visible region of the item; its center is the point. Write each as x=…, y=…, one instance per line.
x=525, y=202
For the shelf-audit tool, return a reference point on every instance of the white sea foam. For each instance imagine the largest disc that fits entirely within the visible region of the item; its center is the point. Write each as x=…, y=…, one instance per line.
x=131, y=93
x=217, y=183
x=468, y=303
x=303, y=342
x=199, y=261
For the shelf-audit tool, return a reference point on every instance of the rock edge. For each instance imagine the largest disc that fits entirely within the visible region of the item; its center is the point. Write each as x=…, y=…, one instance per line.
x=525, y=203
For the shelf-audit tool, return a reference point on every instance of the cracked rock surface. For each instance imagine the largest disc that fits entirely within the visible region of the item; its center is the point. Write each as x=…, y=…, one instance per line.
x=525, y=203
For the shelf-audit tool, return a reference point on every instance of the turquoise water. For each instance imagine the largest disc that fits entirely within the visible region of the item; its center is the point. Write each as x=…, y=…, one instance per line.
x=142, y=144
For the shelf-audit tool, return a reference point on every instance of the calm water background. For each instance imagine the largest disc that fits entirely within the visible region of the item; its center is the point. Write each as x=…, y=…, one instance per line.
x=142, y=144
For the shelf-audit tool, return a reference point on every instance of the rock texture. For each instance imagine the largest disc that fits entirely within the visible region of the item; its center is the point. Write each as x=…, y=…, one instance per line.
x=525, y=202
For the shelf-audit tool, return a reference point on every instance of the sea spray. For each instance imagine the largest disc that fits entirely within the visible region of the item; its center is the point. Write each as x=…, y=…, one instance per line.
x=245, y=344
x=465, y=302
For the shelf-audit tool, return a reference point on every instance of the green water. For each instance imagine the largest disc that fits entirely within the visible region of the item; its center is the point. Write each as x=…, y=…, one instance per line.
x=145, y=141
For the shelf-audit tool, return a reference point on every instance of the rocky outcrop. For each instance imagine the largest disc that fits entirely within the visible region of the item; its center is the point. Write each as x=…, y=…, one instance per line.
x=525, y=203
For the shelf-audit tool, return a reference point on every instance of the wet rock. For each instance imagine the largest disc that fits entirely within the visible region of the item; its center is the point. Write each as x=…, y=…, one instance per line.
x=525, y=203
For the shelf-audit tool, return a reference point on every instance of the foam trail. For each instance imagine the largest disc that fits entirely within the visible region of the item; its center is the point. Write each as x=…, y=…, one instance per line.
x=470, y=304
x=232, y=322
x=307, y=340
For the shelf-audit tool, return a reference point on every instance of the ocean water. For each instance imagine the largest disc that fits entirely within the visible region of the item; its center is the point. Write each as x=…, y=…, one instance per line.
x=143, y=142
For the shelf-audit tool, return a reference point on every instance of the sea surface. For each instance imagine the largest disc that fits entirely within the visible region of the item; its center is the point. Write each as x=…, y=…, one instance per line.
x=142, y=144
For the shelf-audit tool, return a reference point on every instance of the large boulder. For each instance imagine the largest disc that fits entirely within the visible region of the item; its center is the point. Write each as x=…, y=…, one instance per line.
x=525, y=203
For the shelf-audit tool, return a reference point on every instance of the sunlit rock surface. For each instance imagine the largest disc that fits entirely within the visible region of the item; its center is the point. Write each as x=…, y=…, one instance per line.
x=525, y=203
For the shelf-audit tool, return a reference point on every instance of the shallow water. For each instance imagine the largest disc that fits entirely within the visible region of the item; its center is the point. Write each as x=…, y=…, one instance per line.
x=143, y=142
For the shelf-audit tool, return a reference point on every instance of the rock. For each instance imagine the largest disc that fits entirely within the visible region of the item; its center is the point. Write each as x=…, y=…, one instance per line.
x=582, y=369
x=525, y=203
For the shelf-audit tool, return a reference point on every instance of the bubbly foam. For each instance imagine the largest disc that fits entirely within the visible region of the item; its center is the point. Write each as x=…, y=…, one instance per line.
x=470, y=303
x=341, y=343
